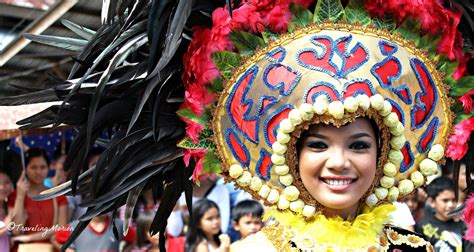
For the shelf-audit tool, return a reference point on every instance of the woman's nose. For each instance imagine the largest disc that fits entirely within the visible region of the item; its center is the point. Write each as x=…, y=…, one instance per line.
x=336, y=159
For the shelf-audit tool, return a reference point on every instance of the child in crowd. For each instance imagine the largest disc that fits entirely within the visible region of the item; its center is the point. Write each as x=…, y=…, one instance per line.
x=204, y=234
x=247, y=219
x=441, y=229
x=98, y=236
x=6, y=187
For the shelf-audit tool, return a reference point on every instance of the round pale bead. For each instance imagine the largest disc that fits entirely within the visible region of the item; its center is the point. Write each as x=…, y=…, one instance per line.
x=286, y=180
x=308, y=211
x=387, y=109
x=391, y=120
x=428, y=167
x=282, y=169
x=278, y=159
x=376, y=102
x=283, y=138
x=245, y=179
x=321, y=105
x=364, y=101
x=381, y=193
x=297, y=206
x=273, y=196
x=397, y=142
x=397, y=130
x=264, y=191
x=371, y=200
x=235, y=170
x=351, y=104
x=291, y=193
x=436, y=152
x=336, y=109
x=387, y=182
x=393, y=194
x=295, y=117
x=255, y=184
x=286, y=126
x=283, y=203
x=390, y=169
x=306, y=111
x=406, y=186
x=395, y=156
x=417, y=178
x=279, y=148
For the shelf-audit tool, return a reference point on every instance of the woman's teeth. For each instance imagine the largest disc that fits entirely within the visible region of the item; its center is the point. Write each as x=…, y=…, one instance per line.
x=337, y=182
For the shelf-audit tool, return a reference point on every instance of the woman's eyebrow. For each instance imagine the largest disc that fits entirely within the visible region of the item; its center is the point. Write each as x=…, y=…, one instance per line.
x=359, y=135
x=312, y=134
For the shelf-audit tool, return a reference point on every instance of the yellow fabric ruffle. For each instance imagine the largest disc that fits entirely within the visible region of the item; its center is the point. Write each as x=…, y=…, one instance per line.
x=361, y=232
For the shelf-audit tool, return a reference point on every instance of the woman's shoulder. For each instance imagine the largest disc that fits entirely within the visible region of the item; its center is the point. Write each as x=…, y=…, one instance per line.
x=404, y=240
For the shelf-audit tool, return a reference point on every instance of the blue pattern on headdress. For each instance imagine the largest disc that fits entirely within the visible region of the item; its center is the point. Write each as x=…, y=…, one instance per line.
x=227, y=138
x=264, y=177
x=419, y=105
x=432, y=126
x=269, y=118
x=281, y=85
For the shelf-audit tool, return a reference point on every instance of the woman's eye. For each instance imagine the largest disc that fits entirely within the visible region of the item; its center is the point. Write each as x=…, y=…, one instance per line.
x=317, y=145
x=359, y=146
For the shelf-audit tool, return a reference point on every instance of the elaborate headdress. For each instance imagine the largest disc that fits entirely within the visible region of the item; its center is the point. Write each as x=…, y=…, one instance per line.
x=277, y=68
x=260, y=75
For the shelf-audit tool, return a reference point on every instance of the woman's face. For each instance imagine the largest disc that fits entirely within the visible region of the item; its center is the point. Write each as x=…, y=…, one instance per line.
x=337, y=165
x=5, y=186
x=211, y=222
x=37, y=170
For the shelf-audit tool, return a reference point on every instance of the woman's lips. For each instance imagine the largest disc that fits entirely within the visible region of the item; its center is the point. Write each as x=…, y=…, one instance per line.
x=338, y=184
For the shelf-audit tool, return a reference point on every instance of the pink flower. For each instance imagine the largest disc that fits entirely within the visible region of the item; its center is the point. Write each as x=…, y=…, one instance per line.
x=198, y=155
x=468, y=218
x=457, y=142
x=467, y=101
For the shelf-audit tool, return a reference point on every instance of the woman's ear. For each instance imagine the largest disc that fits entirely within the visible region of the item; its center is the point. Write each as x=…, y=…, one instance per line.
x=430, y=201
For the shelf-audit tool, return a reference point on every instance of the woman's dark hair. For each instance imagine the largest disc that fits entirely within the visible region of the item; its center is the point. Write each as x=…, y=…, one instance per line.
x=195, y=234
x=33, y=153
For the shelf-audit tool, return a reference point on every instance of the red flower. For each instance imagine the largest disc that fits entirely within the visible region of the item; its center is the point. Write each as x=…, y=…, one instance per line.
x=198, y=155
x=192, y=129
x=457, y=143
x=462, y=64
x=468, y=218
x=467, y=101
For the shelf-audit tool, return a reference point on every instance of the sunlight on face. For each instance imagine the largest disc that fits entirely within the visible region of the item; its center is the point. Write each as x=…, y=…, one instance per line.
x=337, y=165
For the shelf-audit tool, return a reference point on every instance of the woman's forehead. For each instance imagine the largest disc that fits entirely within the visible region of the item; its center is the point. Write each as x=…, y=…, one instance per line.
x=357, y=126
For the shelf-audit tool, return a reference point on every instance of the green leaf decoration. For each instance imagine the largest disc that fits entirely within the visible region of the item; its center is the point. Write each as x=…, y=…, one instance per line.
x=269, y=36
x=462, y=86
x=211, y=164
x=246, y=43
x=226, y=61
x=429, y=43
x=301, y=17
x=461, y=117
x=447, y=67
x=408, y=30
x=387, y=22
x=188, y=114
x=356, y=13
x=216, y=86
x=328, y=9
x=204, y=141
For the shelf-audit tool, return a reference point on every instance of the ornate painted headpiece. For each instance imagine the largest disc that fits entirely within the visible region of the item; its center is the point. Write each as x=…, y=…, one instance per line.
x=256, y=80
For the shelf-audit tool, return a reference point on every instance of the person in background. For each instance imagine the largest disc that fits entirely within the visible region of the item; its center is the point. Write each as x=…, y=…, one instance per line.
x=98, y=236
x=204, y=234
x=57, y=165
x=29, y=213
x=6, y=187
x=441, y=229
x=416, y=207
x=247, y=219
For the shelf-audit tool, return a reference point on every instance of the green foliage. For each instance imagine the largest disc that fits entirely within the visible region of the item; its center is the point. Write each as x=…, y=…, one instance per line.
x=226, y=61
x=301, y=17
x=211, y=164
x=216, y=86
x=462, y=86
x=355, y=12
x=408, y=29
x=269, y=36
x=246, y=43
x=204, y=141
x=328, y=9
x=188, y=114
x=387, y=22
x=429, y=43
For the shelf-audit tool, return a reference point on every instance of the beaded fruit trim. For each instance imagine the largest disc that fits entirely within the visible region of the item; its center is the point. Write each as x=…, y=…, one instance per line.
x=386, y=189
